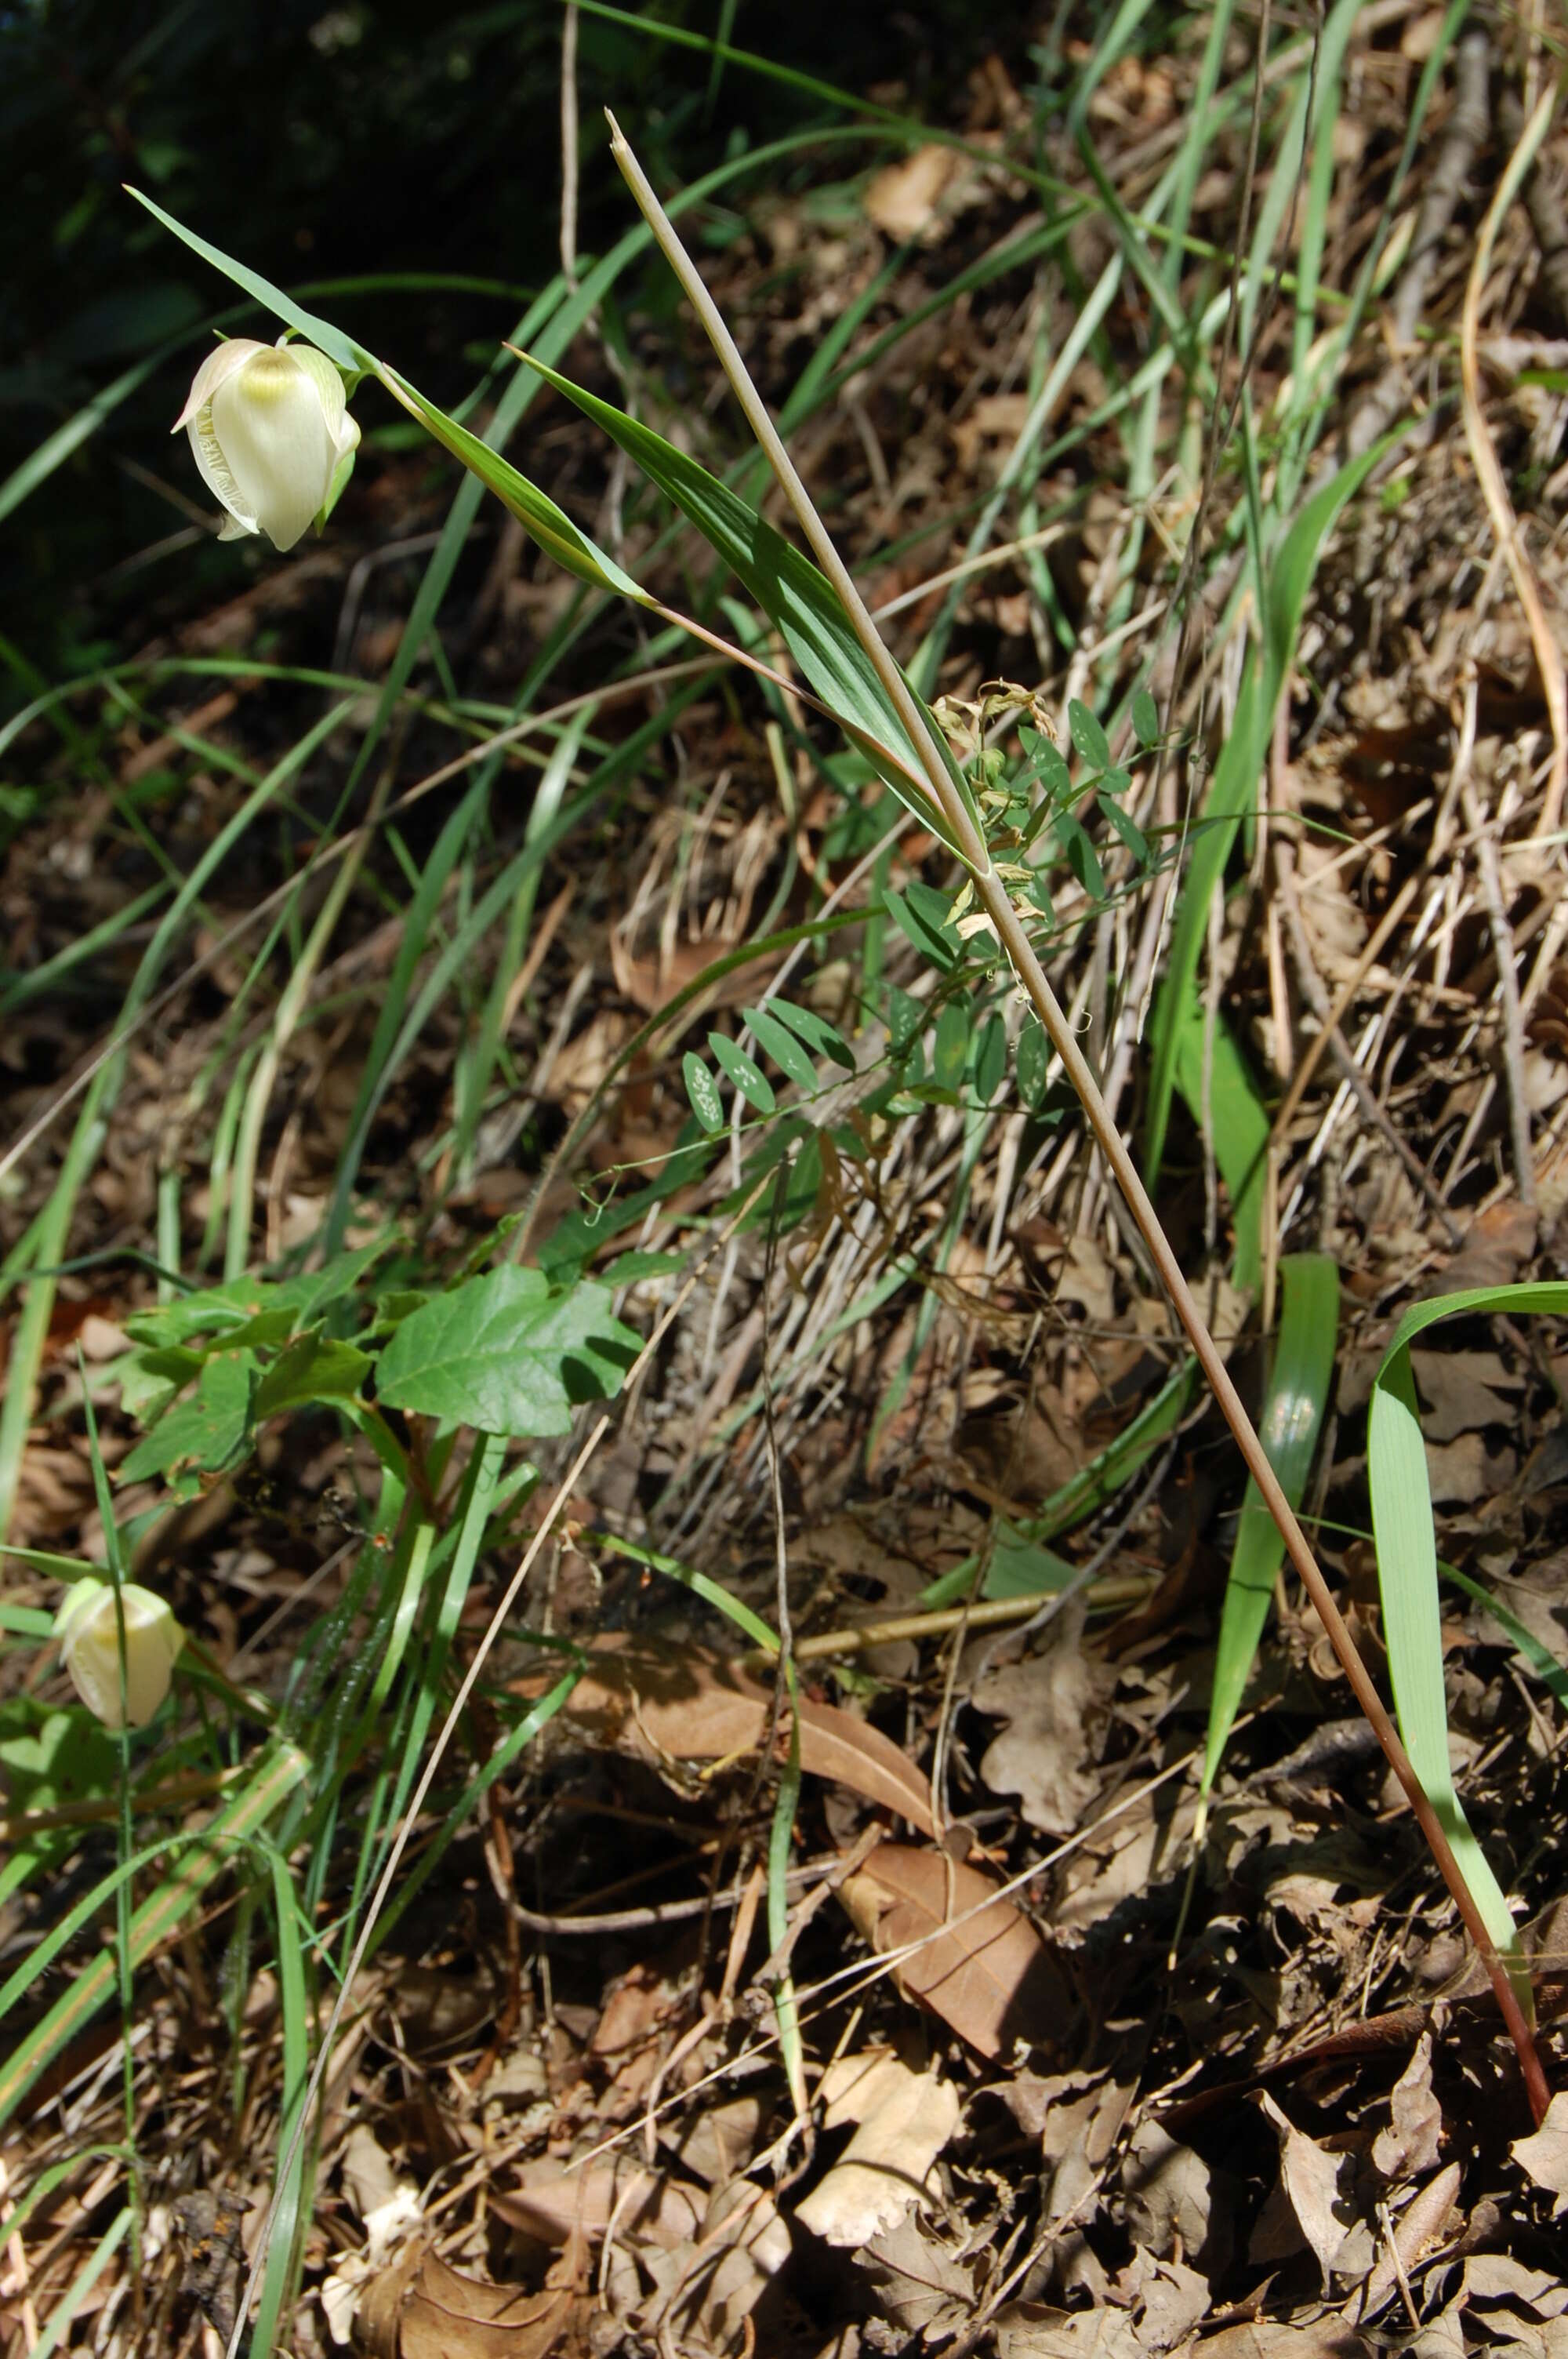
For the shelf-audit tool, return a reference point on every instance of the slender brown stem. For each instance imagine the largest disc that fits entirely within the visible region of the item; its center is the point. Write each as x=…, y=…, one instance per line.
x=1014, y=939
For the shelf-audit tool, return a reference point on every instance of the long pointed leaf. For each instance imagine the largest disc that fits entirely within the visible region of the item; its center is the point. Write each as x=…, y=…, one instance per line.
x=1292, y=1415
x=790, y=591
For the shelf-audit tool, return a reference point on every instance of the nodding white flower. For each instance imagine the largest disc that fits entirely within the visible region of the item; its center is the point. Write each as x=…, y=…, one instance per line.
x=87, y=1630
x=269, y=430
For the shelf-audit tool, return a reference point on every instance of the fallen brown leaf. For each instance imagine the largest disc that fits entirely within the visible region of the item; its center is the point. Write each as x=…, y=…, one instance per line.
x=903, y=2120
x=973, y=1958
x=676, y=1703
x=423, y=2310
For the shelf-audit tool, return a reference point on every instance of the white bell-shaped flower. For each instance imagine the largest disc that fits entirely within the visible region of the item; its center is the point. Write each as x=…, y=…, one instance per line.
x=269, y=430
x=87, y=1628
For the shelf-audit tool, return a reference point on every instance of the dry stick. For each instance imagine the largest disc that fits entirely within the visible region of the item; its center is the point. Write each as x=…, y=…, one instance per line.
x=1466, y=130
x=1544, y=206
x=1505, y=524
x=1010, y=930
x=1508, y=991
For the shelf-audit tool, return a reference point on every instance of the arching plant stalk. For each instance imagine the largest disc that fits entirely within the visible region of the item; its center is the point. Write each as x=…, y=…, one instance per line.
x=1513, y=1999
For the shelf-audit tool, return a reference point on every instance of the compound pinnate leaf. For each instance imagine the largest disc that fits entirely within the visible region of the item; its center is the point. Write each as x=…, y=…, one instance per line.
x=506, y=1354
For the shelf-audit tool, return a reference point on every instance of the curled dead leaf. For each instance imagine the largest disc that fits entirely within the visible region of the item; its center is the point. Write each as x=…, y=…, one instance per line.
x=970, y=1956
x=420, y=2309
x=665, y=1703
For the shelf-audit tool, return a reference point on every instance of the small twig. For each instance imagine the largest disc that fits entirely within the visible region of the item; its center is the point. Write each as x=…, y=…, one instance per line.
x=1505, y=523
x=661, y=1912
x=1508, y=992
x=568, y=145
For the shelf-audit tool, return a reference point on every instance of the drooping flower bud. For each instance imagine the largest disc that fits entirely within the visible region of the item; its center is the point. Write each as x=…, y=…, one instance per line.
x=269, y=430
x=87, y=1630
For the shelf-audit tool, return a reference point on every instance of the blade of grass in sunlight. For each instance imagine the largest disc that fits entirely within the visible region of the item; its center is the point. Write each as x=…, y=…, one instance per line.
x=1407, y=1578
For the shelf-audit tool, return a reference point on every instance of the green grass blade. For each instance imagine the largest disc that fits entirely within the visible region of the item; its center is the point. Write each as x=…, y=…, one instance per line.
x=1289, y=1427
x=160, y=1916
x=1407, y=1579
x=1407, y=1576
x=1234, y=783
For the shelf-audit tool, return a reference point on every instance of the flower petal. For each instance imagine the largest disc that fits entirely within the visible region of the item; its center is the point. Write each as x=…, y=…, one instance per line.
x=220, y=363
x=87, y=1626
x=271, y=433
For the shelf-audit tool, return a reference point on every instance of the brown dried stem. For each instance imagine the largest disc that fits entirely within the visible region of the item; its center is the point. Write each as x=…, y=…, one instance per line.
x=1011, y=932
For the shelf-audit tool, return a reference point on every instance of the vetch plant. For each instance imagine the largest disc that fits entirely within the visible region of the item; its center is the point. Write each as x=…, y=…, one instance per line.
x=270, y=431
x=121, y=1693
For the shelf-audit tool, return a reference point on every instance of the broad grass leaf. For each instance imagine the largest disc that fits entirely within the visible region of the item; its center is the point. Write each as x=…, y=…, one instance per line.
x=507, y=1353
x=1407, y=1579
x=535, y=510
x=1289, y=1427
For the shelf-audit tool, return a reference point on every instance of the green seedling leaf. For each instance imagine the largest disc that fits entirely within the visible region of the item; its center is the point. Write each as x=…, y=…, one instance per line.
x=507, y=1353
x=744, y=1071
x=1087, y=735
x=815, y=1031
x=1227, y=1107
x=1033, y=1059
x=794, y=595
x=702, y=1091
x=204, y=1434
x=990, y=1059
x=1145, y=719
x=1288, y=1428
x=315, y=1367
x=1046, y=764
x=1111, y=791
x=778, y=1042
x=950, y=1048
